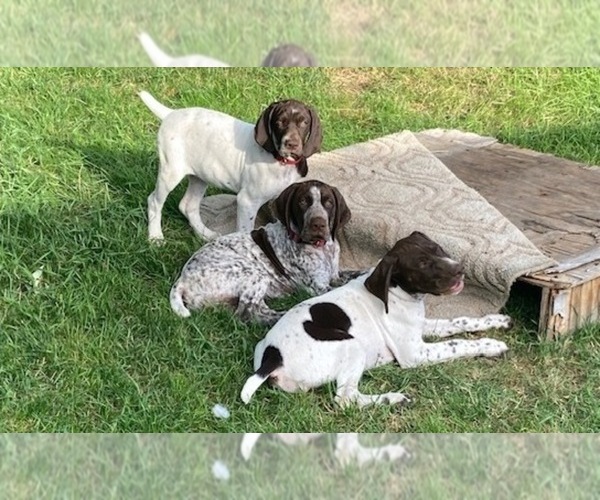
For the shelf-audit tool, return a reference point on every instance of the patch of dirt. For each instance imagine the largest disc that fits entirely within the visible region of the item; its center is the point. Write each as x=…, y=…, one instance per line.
x=352, y=16
x=352, y=81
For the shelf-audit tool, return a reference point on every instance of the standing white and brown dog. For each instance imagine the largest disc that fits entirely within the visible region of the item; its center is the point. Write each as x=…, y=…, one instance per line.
x=211, y=148
x=372, y=320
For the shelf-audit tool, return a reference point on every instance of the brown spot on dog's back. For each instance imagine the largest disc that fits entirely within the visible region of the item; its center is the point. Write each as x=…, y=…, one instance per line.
x=329, y=323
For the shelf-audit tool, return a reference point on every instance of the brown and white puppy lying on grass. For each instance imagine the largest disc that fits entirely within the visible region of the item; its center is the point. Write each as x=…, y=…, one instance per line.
x=372, y=320
x=298, y=250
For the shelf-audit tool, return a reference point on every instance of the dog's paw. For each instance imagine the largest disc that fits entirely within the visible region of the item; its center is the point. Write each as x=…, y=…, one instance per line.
x=208, y=235
x=266, y=317
x=183, y=312
x=493, y=348
x=157, y=240
x=395, y=398
x=497, y=321
x=396, y=452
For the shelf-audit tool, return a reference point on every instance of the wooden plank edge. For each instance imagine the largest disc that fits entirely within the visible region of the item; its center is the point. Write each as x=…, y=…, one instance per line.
x=587, y=257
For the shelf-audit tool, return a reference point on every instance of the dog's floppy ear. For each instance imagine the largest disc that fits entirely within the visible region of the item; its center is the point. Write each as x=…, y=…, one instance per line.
x=342, y=212
x=283, y=206
x=379, y=281
x=262, y=130
x=315, y=134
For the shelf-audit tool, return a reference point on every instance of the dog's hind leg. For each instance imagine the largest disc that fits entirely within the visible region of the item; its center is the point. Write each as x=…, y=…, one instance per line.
x=387, y=398
x=347, y=392
x=252, y=306
x=167, y=180
x=261, y=313
x=156, y=200
x=190, y=207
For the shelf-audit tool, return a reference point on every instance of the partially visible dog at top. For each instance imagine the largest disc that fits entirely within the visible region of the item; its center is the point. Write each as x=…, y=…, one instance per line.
x=372, y=320
x=212, y=148
x=289, y=55
x=284, y=55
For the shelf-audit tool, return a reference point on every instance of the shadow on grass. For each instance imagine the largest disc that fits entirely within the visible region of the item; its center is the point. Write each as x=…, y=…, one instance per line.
x=132, y=171
x=128, y=170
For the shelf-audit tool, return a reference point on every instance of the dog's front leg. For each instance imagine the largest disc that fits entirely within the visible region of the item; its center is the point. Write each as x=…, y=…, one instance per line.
x=348, y=449
x=448, y=327
x=440, y=352
x=247, y=208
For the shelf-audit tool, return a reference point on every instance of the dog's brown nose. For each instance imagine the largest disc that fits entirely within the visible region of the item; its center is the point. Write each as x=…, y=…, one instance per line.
x=291, y=143
x=318, y=224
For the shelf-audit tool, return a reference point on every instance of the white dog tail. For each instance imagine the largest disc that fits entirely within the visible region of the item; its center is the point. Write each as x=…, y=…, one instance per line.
x=158, y=56
x=177, y=302
x=271, y=361
x=248, y=442
x=156, y=107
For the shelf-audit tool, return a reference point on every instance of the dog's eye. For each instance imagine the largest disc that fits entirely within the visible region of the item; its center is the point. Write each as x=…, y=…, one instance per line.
x=328, y=203
x=303, y=203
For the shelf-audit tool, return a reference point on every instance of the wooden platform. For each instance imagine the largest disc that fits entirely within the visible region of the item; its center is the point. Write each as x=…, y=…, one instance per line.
x=556, y=203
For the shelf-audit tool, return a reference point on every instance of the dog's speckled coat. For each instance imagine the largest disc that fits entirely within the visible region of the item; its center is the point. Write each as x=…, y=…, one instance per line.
x=234, y=269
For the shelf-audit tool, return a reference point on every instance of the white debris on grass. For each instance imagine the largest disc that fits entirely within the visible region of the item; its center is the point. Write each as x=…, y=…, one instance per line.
x=220, y=471
x=220, y=411
x=37, y=277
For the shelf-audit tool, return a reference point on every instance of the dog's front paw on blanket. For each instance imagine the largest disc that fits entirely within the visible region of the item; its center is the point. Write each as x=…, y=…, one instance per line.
x=497, y=321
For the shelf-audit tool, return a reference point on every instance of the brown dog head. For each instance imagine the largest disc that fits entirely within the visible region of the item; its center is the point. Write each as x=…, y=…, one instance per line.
x=416, y=264
x=289, y=55
x=289, y=130
x=312, y=211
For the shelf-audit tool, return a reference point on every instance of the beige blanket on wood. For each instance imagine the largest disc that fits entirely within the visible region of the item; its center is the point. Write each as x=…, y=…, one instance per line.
x=394, y=185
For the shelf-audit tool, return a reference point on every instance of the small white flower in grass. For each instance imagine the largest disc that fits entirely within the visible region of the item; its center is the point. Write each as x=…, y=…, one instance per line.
x=220, y=471
x=220, y=411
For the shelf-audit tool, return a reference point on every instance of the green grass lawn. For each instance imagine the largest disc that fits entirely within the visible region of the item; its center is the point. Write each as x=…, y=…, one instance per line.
x=458, y=466
x=339, y=32
x=92, y=344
